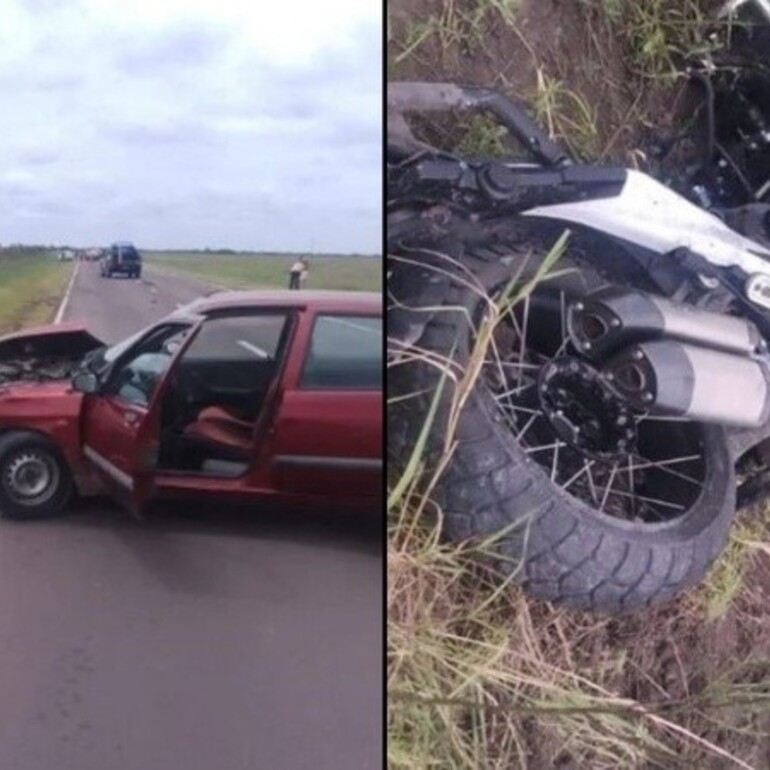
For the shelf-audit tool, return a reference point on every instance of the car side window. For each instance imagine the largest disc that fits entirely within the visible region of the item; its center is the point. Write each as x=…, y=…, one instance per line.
x=247, y=338
x=345, y=354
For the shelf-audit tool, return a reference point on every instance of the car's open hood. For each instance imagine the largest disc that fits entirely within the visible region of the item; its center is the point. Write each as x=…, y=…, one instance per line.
x=44, y=353
x=70, y=340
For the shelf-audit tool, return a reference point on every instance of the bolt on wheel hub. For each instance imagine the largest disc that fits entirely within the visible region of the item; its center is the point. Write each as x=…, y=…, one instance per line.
x=583, y=411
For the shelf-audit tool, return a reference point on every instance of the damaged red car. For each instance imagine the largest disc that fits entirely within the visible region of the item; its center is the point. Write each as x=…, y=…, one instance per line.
x=250, y=397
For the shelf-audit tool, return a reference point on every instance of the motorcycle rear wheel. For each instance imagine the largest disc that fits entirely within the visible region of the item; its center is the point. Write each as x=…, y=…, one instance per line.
x=577, y=526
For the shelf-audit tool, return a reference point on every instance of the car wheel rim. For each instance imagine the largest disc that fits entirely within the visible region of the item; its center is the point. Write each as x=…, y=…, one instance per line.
x=31, y=477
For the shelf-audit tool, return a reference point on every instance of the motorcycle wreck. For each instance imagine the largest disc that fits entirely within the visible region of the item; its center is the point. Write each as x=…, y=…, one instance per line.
x=586, y=347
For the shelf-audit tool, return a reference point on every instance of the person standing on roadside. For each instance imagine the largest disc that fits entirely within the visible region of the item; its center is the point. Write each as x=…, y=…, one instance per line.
x=295, y=274
x=303, y=274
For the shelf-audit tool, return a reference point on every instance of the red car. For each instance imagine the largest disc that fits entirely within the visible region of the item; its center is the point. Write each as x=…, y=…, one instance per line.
x=253, y=397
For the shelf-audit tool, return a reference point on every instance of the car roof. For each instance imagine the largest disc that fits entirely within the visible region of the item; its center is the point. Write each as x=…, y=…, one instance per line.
x=345, y=301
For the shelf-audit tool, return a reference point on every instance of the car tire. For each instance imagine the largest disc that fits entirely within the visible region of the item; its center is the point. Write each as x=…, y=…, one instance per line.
x=35, y=480
x=494, y=489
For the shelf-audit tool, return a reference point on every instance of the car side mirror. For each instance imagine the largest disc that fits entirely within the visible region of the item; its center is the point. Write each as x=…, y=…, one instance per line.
x=85, y=382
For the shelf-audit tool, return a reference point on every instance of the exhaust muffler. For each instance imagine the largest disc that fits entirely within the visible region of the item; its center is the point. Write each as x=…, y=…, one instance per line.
x=677, y=378
x=611, y=319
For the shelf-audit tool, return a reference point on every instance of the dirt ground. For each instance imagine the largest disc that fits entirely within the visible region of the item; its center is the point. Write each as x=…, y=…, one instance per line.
x=609, y=105
x=552, y=52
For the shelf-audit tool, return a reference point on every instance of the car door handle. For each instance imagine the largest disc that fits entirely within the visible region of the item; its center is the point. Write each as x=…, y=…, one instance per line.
x=130, y=417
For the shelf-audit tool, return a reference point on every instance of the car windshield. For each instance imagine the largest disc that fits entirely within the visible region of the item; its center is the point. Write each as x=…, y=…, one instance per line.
x=98, y=360
x=113, y=352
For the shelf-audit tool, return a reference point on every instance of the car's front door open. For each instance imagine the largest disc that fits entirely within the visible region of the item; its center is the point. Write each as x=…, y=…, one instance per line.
x=120, y=425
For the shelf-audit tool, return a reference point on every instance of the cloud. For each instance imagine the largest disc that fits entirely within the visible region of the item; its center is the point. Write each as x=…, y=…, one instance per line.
x=37, y=156
x=190, y=45
x=192, y=123
x=146, y=134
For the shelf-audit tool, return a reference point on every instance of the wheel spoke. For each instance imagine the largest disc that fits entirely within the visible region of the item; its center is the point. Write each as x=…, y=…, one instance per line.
x=514, y=391
x=652, y=500
x=515, y=322
x=543, y=447
x=555, y=461
x=528, y=425
x=523, y=337
x=658, y=514
x=591, y=484
x=659, y=418
x=663, y=466
x=608, y=488
x=577, y=475
x=512, y=364
x=517, y=408
x=561, y=349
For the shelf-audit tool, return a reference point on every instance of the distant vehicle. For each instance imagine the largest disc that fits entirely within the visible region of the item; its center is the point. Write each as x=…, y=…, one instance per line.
x=121, y=258
x=252, y=397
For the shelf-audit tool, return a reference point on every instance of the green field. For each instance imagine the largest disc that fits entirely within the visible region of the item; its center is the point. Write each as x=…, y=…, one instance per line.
x=31, y=286
x=243, y=271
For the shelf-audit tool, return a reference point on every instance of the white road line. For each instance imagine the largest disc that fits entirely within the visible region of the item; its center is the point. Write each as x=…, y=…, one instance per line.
x=66, y=298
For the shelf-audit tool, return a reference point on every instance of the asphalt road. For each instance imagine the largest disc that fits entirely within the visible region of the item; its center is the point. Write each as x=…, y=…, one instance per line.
x=116, y=307
x=211, y=640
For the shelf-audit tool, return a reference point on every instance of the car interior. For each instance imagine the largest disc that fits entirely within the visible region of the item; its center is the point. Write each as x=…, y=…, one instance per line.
x=216, y=393
x=218, y=390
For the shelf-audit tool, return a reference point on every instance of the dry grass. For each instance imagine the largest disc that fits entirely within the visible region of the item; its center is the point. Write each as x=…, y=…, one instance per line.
x=479, y=676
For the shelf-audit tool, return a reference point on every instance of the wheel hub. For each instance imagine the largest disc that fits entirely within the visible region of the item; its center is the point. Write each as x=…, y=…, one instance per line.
x=583, y=411
x=28, y=478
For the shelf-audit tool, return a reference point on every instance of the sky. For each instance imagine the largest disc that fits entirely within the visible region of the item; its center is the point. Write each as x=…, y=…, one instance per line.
x=192, y=124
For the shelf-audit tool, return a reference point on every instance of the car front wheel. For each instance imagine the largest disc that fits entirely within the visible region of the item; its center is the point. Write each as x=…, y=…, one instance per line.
x=35, y=481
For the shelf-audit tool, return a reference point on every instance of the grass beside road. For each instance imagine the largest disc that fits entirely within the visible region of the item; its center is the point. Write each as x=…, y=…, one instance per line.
x=31, y=287
x=252, y=271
